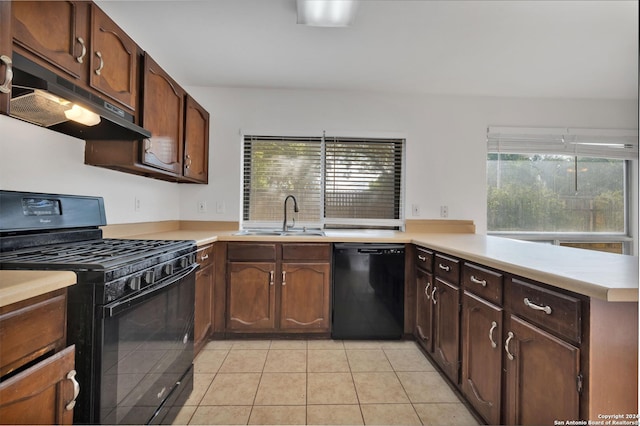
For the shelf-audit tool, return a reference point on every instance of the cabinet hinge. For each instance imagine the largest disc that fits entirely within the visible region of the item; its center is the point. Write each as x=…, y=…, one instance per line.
x=579, y=381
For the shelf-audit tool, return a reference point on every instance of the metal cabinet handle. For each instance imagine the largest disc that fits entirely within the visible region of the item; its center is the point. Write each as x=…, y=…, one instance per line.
x=76, y=390
x=284, y=278
x=506, y=345
x=422, y=258
x=188, y=157
x=444, y=267
x=483, y=283
x=494, y=325
x=83, y=52
x=204, y=256
x=99, y=69
x=8, y=74
x=426, y=289
x=271, y=277
x=148, y=146
x=433, y=295
x=529, y=304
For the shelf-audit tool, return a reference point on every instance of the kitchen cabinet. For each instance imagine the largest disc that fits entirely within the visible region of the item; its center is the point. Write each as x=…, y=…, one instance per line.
x=5, y=56
x=196, y=142
x=481, y=333
x=275, y=287
x=203, y=312
x=542, y=365
x=424, y=304
x=37, y=370
x=445, y=298
x=79, y=39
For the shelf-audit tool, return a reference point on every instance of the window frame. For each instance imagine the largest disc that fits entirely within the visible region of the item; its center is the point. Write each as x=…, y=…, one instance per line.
x=329, y=223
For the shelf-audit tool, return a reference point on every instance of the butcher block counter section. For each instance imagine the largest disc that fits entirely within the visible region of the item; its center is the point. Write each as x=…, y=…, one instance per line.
x=604, y=276
x=16, y=286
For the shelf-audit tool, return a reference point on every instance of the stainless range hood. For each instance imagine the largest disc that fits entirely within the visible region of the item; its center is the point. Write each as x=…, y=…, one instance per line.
x=41, y=97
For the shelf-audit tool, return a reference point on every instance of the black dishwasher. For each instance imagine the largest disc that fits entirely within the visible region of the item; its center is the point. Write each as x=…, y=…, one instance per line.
x=368, y=291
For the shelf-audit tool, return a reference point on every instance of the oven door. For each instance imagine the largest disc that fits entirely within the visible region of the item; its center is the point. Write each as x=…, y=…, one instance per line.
x=147, y=350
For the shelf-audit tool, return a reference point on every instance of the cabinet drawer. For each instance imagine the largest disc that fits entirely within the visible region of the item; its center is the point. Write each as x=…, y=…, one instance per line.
x=551, y=310
x=447, y=268
x=204, y=256
x=309, y=251
x=483, y=282
x=424, y=259
x=32, y=328
x=251, y=251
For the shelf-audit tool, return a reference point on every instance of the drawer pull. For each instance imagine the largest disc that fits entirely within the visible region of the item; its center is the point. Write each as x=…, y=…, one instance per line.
x=284, y=277
x=483, y=283
x=506, y=346
x=444, y=267
x=76, y=390
x=426, y=289
x=204, y=257
x=271, y=277
x=8, y=74
x=433, y=295
x=422, y=258
x=494, y=325
x=529, y=304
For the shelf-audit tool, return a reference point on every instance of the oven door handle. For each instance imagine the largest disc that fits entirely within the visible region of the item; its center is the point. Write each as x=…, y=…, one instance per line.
x=119, y=306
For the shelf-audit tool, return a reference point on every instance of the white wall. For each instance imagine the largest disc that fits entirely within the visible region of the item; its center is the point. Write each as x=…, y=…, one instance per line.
x=446, y=147
x=446, y=138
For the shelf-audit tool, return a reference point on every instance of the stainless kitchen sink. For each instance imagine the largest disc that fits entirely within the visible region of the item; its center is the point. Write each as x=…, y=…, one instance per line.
x=279, y=233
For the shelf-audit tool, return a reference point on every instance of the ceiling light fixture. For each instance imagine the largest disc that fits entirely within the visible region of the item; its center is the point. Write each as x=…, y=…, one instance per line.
x=327, y=13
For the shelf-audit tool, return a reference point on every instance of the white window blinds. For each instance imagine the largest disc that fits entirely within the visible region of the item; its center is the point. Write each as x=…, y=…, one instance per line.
x=602, y=143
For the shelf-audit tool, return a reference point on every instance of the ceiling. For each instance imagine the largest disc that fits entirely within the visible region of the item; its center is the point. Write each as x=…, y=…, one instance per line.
x=548, y=49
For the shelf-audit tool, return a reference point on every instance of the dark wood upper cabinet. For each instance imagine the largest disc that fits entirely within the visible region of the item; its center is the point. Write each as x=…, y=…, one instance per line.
x=113, y=60
x=56, y=32
x=196, y=142
x=163, y=107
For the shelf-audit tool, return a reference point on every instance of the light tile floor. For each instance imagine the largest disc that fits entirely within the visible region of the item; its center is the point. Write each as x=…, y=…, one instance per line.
x=319, y=382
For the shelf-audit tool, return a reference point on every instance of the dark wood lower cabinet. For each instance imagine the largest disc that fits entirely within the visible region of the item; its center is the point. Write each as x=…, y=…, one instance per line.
x=424, y=309
x=203, y=306
x=305, y=296
x=542, y=376
x=446, y=334
x=251, y=293
x=482, y=356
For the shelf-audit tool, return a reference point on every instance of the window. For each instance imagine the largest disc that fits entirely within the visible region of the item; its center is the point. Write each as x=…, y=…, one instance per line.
x=562, y=186
x=338, y=182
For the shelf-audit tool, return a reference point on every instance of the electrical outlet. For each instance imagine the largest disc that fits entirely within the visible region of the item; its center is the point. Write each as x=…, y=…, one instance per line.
x=415, y=210
x=220, y=207
x=136, y=204
x=444, y=211
x=202, y=206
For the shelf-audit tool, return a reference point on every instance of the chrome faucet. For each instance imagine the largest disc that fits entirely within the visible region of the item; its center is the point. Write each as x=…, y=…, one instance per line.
x=295, y=209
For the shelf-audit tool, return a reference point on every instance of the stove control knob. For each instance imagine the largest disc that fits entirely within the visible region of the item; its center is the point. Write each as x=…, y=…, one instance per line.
x=168, y=269
x=147, y=277
x=184, y=262
x=134, y=283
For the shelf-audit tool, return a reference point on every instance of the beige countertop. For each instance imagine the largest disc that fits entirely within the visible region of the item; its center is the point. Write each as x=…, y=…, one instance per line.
x=16, y=286
x=605, y=276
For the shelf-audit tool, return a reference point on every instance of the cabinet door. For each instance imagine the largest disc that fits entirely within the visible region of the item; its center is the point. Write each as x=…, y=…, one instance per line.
x=203, y=301
x=55, y=31
x=163, y=109
x=542, y=373
x=251, y=296
x=446, y=335
x=42, y=394
x=113, y=60
x=482, y=356
x=5, y=56
x=305, y=296
x=196, y=142
x=424, y=309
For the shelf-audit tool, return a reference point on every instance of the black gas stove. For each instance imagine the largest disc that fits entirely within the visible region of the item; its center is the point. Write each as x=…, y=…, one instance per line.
x=130, y=315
